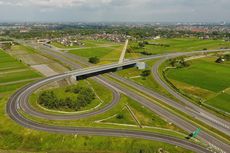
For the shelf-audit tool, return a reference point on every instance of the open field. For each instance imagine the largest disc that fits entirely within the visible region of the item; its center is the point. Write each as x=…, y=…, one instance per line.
x=14, y=74
x=87, y=43
x=204, y=79
x=32, y=58
x=106, y=54
x=161, y=46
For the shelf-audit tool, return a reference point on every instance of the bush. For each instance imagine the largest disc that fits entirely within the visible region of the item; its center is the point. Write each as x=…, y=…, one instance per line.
x=219, y=60
x=179, y=62
x=120, y=116
x=145, y=73
x=146, y=53
x=94, y=60
x=49, y=99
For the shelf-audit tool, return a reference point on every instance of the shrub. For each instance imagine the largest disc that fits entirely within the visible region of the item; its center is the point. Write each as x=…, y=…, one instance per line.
x=120, y=116
x=94, y=60
x=145, y=73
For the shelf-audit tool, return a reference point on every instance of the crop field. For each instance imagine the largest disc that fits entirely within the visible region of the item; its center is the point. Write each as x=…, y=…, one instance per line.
x=205, y=79
x=14, y=73
x=161, y=46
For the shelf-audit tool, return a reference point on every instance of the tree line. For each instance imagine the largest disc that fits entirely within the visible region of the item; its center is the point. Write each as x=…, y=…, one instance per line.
x=50, y=100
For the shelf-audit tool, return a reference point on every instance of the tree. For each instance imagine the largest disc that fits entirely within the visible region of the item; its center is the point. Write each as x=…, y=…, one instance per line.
x=120, y=116
x=179, y=62
x=141, y=45
x=94, y=60
x=145, y=73
x=49, y=99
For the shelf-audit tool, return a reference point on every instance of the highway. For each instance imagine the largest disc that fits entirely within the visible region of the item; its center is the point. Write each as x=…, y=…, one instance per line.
x=191, y=108
x=19, y=100
x=219, y=123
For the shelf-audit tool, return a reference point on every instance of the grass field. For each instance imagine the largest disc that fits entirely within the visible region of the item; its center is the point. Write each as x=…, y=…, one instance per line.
x=179, y=45
x=135, y=75
x=106, y=54
x=14, y=74
x=18, y=139
x=205, y=79
x=104, y=97
x=87, y=43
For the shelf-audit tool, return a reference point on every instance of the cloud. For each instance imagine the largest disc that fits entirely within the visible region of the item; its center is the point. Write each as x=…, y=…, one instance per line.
x=115, y=10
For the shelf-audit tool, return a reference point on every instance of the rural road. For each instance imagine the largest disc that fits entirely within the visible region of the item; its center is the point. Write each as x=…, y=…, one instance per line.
x=21, y=96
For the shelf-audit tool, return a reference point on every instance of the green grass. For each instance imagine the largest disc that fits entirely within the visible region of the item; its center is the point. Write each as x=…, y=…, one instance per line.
x=16, y=138
x=134, y=75
x=9, y=79
x=151, y=119
x=7, y=62
x=26, y=49
x=205, y=80
x=221, y=101
x=204, y=74
x=181, y=45
x=90, y=52
x=126, y=118
x=12, y=87
x=88, y=43
x=102, y=92
x=15, y=76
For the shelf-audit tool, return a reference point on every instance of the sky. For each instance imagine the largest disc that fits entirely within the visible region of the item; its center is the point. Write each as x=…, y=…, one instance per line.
x=114, y=10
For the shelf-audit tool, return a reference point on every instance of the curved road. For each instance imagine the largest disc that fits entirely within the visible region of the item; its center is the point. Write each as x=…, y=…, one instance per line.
x=12, y=110
x=202, y=114
x=29, y=89
x=21, y=97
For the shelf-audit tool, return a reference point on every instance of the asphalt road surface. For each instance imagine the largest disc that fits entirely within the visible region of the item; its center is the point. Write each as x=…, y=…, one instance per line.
x=20, y=99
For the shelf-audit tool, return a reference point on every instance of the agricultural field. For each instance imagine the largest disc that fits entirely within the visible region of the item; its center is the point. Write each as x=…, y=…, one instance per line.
x=32, y=58
x=14, y=73
x=205, y=81
x=170, y=45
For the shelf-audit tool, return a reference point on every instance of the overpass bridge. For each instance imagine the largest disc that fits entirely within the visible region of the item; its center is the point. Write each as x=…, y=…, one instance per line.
x=94, y=71
x=97, y=70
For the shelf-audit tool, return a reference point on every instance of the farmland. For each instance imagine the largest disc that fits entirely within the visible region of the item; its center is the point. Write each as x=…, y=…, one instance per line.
x=170, y=45
x=205, y=81
x=14, y=74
